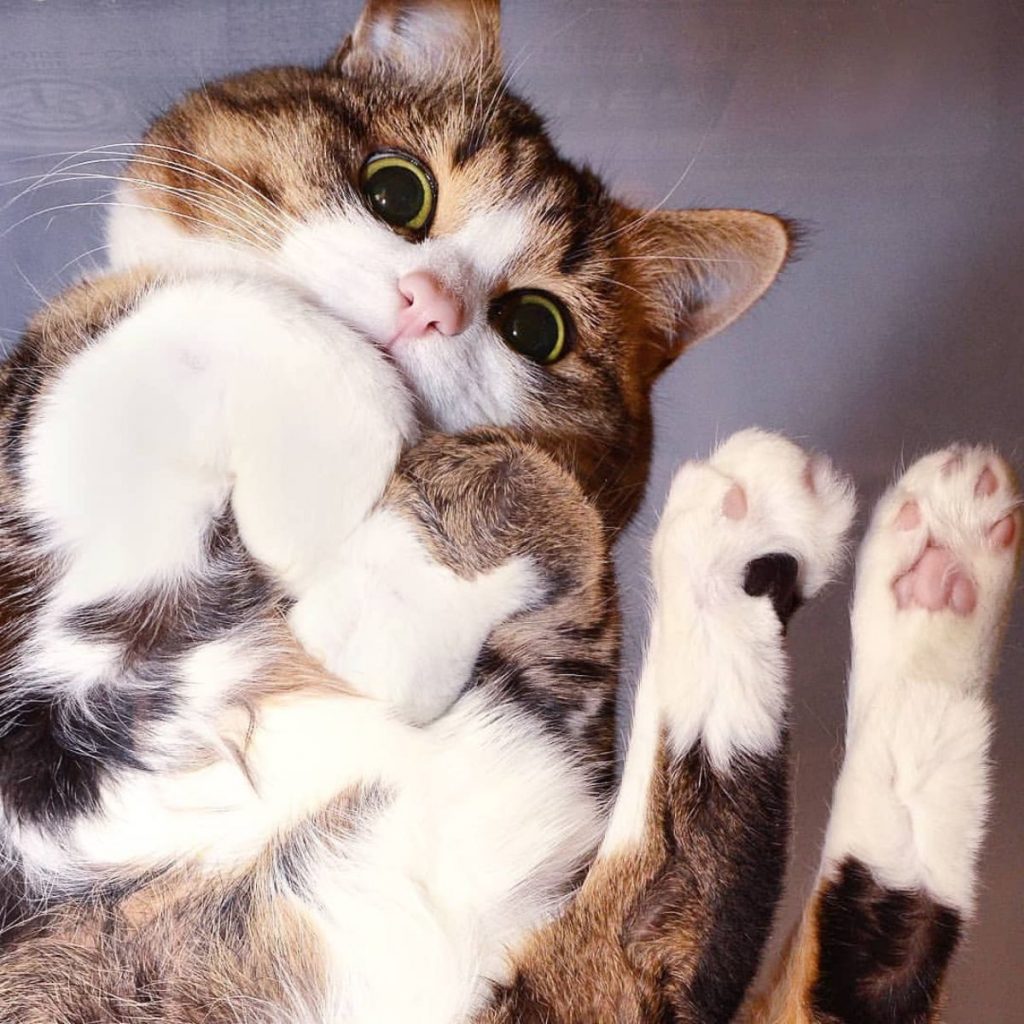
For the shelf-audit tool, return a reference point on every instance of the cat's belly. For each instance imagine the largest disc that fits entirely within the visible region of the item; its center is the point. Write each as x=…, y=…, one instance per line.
x=468, y=853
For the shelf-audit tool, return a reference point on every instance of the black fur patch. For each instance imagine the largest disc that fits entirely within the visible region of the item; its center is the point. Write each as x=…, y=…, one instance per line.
x=883, y=952
x=775, y=575
x=55, y=755
x=578, y=249
x=726, y=837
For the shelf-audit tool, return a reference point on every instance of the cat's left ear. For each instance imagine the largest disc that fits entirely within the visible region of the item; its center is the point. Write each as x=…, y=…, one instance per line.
x=698, y=270
x=423, y=39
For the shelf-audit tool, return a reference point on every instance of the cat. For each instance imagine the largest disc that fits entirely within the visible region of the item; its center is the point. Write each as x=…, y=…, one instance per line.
x=310, y=641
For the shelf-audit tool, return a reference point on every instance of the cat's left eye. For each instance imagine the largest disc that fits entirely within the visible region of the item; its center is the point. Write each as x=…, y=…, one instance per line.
x=399, y=190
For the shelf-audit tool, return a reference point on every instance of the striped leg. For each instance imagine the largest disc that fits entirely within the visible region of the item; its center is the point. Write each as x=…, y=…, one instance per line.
x=898, y=874
x=670, y=921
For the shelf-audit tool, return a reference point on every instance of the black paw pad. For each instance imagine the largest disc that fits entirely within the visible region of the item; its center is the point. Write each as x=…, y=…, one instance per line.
x=775, y=575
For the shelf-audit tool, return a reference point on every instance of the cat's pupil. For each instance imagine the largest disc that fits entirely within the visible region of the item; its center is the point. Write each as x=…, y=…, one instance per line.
x=396, y=194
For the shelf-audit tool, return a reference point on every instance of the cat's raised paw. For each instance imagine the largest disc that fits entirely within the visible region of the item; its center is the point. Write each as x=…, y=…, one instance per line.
x=936, y=569
x=945, y=537
x=761, y=516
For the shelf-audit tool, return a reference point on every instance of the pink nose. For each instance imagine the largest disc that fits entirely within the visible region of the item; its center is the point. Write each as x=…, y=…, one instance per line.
x=428, y=304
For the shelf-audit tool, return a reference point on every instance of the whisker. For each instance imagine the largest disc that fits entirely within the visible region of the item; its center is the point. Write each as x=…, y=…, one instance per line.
x=620, y=284
x=521, y=60
x=108, y=201
x=243, y=202
x=21, y=273
x=217, y=205
x=79, y=258
x=647, y=214
x=131, y=151
x=682, y=259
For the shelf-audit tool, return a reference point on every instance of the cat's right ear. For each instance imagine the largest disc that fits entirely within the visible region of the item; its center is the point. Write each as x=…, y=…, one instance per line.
x=422, y=40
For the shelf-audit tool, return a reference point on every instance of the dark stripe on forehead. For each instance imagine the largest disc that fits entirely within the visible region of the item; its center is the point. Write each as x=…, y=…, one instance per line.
x=259, y=101
x=582, y=206
x=578, y=249
x=512, y=122
x=350, y=120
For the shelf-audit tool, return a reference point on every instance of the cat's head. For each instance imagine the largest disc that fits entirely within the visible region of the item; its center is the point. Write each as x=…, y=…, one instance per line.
x=425, y=204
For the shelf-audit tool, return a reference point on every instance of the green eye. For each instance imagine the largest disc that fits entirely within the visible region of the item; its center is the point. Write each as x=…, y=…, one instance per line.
x=399, y=190
x=535, y=324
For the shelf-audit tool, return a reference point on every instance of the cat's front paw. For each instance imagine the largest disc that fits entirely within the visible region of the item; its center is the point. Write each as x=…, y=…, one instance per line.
x=937, y=565
x=761, y=517
x=395, y=625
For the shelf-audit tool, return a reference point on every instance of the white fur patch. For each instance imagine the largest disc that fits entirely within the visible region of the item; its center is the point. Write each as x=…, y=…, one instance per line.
x=484, y=820
x=304, y=751
x=212, y=387
x=212, y=390
x=352, y=262
x=398, y=626
x=473, y=854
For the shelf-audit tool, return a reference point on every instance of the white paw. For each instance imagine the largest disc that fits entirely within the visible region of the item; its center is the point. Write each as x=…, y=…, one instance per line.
x=744, y=537
x=397, y=626
x=758, y=495
x=937, y=566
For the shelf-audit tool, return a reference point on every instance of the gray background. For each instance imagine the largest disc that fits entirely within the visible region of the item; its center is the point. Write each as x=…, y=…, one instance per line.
x=893, y=128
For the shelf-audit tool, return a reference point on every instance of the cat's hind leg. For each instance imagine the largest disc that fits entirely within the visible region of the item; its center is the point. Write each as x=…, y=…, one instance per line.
x=671, y=918
x=897, y=882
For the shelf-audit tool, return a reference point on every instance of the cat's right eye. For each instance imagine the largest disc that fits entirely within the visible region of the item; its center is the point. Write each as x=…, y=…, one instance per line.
x=399, y=190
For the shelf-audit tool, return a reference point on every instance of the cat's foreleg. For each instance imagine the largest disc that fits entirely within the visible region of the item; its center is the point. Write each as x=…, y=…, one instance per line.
x=899, y=868
x=211, y=392
x=671, y=918
x=208, y=405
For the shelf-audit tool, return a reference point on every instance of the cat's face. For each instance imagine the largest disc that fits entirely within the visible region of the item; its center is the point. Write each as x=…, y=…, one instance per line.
x=424, y=204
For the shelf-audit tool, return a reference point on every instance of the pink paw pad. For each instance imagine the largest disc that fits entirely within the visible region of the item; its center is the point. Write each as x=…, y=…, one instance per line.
x=987, y=485
x=909, y=517
x=936, y=581
x=734, y=504
x=1004, y=533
